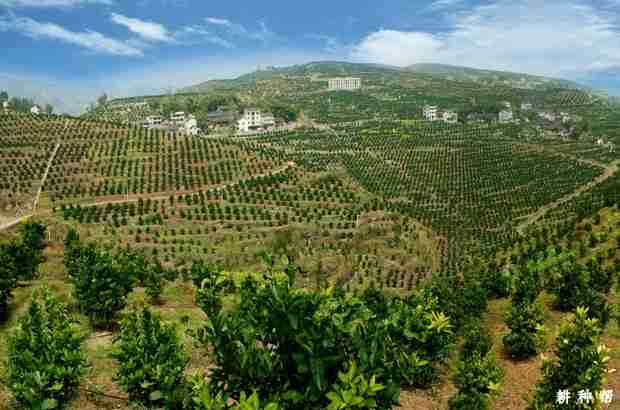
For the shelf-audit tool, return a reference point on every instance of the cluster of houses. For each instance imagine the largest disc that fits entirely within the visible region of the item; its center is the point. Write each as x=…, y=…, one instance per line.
x=179, y=121
x=433, y=113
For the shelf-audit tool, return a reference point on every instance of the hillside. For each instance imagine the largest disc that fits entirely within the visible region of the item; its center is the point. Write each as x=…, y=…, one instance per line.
x=366, y=239
x=520, y=80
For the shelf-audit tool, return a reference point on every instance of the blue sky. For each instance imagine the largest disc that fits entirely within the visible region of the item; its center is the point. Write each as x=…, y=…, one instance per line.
x=69, y=51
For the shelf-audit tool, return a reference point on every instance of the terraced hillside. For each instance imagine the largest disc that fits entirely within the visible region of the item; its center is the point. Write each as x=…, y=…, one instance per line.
x=180, y=198
x=474, y=185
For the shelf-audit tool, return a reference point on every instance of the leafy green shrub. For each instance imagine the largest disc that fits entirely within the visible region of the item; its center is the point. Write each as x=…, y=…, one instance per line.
x=8, y=276
x=154, y=282
x=580, y=362
x=30, y=245
x=476, y=340
x=202, y=398
x=151, y=359
x=574, y=286
x=477, y=379
x=354, y=391
x=289, y=344
x=527, y=330
x=100, y=288
x=45, y=358
x=526, y=316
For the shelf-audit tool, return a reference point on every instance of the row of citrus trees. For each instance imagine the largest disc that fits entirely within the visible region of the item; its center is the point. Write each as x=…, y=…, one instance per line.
x=274, y=346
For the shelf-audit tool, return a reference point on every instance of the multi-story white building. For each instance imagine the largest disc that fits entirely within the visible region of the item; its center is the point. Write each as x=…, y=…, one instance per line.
x=251, y=119
x=191, y=126
x=430, y=112
x=178, y=118
x=268, y=119
x=505, y=116
x=344, y=83
x=153, y=121
x=36, y=110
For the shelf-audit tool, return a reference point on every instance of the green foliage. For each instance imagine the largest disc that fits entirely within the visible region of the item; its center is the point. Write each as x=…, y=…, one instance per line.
x=477, y=379
x=526, y=316
x=576, y=285
x=580, y=363
x=151, y=359
x=19, y=259
x=290, y=344
x=8, y=276
x=202, y=398
x=100, y=286
x=459, y=299
x=30, y=249
x=354, y=390
x=527, y=331
x=154, y=282
x=211, y=282
x=475, y=340
x=45, y=358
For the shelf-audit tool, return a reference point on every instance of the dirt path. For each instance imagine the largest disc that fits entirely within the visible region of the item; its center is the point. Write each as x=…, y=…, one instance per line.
x=47, y=170
x=610, y=170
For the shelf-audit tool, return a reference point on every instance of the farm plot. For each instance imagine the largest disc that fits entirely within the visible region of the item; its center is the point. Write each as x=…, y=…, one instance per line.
x=322, y=220
x=470, y=184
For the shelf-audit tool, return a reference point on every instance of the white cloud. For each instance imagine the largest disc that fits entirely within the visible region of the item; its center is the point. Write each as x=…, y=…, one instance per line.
x=218, y=21
x=89, y=39
x=51, y=3
x=198, y=34
x=441, y=4
x=238, y=30
x=553, y=37
x=145, y=29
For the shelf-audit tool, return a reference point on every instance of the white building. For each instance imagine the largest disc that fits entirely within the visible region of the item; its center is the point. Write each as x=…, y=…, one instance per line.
x=191, y=126
x=153, y=121
x=526, y=106
x=178, y=118
x=36, y=110
x=450, y=117
x=5, y=105
x=251, y=119
x=268, y=119
x=344, y=83
x=505, y=116
x=600, y=141
x=430, y=112
x=507, y=104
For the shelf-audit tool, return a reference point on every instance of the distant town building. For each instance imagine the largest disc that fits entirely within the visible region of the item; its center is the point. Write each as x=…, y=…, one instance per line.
x=505, y=116
x=36, y=110
x=191, y=126
x=268, y=119
x=344, y=83
x=153, y=121
x=526, y=106
x=220, y=116
x=251, y=119
x=430, y=112
x=450, y=117
x=178, y=118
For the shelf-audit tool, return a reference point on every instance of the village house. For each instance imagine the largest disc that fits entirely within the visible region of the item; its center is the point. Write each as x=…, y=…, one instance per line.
x=430, y=112
x=526, y=106
x=178, y=118
x=191, y=126
x=36, y=110
x=505, y=116
x=220, y=117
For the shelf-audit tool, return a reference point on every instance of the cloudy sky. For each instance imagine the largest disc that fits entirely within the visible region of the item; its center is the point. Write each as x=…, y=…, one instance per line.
x=69, y=51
